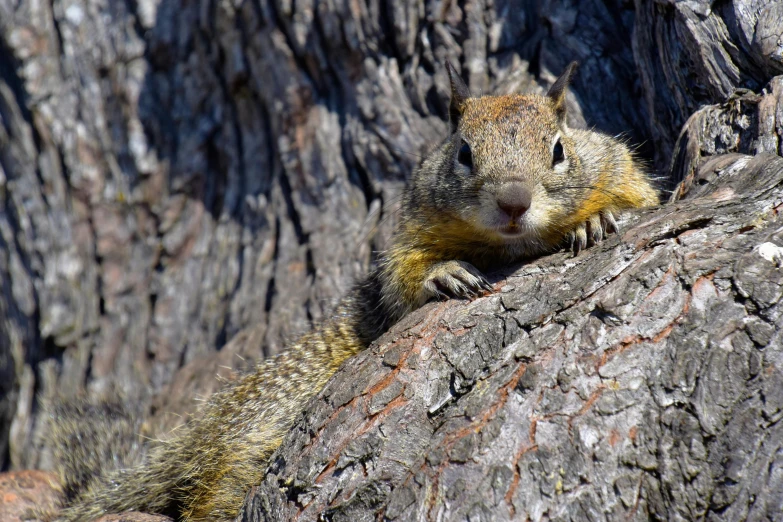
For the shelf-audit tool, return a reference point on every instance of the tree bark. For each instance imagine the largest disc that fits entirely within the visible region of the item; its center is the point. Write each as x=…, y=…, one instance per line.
x=640, y=381
x=184, y=185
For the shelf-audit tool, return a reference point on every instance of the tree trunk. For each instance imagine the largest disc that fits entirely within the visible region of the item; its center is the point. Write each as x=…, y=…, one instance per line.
x=178, y=178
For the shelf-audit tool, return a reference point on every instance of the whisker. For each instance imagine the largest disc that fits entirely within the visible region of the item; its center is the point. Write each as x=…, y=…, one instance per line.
x=608, y=192
x=406, y=152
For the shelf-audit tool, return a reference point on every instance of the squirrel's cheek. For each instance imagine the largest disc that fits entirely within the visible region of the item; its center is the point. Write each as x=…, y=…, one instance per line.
x=536, y=218
x=471, y=215
x=542, y=211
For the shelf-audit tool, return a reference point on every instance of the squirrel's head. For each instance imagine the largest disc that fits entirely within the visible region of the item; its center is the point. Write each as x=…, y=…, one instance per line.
x=507, y=160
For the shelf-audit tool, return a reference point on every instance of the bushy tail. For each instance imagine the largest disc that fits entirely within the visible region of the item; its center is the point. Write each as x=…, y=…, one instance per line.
x=91, y=440
x=148, y=487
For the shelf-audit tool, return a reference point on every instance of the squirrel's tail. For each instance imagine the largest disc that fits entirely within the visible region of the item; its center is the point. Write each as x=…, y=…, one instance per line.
x=90, y=439
x=145, y=487
x=204, y=471
x=98, y=448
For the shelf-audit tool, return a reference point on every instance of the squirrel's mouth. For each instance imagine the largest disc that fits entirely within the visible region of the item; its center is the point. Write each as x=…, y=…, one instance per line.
x=511, y=230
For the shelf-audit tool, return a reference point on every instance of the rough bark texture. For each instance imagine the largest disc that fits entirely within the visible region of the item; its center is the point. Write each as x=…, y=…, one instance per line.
x=180, y=177
x=641, y=381
x=693, y=53
x=26, y=494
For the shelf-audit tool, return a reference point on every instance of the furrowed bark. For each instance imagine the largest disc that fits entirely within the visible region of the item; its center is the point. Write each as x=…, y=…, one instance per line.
x=641, y=380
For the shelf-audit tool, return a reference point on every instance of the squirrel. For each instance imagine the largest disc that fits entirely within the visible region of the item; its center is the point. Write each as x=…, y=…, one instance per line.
x=511, y=181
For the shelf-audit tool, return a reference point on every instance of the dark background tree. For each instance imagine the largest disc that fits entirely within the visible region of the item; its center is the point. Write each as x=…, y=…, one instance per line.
x=178, y=178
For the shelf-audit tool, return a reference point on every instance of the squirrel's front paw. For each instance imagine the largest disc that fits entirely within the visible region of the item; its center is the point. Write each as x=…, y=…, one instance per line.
x=594, y=229
x=454, y=279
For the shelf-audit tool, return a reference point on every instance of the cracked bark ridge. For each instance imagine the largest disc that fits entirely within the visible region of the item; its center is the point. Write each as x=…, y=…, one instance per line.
x=748, y=123
x=689, y=54
x=640, y=381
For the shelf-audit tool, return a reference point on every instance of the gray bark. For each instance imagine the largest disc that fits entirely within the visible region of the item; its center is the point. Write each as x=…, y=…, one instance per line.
x=640, y=381
x=178, y=178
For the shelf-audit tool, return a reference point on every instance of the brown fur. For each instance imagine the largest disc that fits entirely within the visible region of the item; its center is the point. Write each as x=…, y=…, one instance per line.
x=205, y=471
x=449, y=208
x=88, y=434
x=452, y=229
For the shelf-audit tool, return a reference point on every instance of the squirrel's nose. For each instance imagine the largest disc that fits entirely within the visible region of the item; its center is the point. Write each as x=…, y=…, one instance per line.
x=513, y=199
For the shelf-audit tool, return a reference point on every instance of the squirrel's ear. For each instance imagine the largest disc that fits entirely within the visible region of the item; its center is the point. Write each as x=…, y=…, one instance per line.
x=459, y=93
x=557, y=93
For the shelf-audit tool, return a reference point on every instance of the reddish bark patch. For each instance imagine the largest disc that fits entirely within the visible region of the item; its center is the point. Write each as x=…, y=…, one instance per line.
x=29, y=495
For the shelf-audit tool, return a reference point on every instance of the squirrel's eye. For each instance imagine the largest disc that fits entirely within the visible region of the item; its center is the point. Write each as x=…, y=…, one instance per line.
x=464, y=156
x=557, y=153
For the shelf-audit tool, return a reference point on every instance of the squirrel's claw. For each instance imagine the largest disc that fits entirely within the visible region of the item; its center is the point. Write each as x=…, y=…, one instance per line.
x=596, y=231
x=592, y=231
x=578, y=238
x=455, y=279
x=609, y=224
